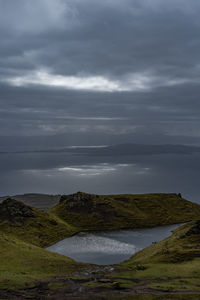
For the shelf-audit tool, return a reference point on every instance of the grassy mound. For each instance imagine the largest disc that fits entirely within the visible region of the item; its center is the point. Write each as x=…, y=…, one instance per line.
x=32, y=225
x=95, y=212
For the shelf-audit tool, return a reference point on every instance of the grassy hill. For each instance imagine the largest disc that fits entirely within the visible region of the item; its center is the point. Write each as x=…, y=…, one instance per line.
x=32, y=225
x=97, y=212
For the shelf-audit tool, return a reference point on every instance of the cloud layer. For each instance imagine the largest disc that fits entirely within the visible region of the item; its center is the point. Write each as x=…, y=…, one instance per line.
x=90, y=72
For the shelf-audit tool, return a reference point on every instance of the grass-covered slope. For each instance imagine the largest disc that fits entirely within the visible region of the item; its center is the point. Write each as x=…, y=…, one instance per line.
x=170, y=265
x=31, y=225
x=95, y=212
x=183, y=245
x=22, y=264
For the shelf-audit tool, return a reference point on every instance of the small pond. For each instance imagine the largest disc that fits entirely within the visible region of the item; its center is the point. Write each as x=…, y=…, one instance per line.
x=110, y=247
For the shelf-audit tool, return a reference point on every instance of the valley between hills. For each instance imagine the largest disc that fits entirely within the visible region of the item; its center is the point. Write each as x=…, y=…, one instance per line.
x=169, y=268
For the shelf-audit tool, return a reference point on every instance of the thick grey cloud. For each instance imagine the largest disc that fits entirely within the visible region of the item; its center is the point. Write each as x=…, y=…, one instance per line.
x=147, y=38
x=90, y=72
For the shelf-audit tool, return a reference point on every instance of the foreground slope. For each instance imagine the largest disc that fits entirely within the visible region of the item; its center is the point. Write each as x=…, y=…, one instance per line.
x=100, y=212
x=23, y=264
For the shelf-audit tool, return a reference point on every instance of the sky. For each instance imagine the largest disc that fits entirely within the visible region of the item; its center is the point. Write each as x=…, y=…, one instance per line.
x=99, y=73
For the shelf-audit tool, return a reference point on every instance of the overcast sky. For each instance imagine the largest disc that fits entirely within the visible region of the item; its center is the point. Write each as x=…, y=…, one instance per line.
x=89, y=72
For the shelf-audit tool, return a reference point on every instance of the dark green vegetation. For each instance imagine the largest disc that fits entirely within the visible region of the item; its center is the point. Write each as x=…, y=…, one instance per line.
x=170, y=266
x=94, y=212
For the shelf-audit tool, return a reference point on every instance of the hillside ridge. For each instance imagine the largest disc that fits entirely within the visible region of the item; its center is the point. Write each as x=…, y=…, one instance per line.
x=101, y=212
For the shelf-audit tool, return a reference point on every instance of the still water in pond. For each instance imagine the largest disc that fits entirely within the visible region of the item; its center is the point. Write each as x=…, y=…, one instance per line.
x=110, y=247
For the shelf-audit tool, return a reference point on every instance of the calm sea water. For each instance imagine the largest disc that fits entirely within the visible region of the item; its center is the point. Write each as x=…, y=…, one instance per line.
x=110, y=247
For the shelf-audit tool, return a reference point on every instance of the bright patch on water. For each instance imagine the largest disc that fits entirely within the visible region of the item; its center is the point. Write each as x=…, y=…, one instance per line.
x=109, y=247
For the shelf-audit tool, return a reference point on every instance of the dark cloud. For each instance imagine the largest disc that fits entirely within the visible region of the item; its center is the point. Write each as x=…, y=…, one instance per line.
x=107, y=38
x=76, y=72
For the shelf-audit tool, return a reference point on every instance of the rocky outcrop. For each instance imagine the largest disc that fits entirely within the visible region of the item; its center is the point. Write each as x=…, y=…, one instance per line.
x=195, y=229
x=86, y=203
x=81, y=202
x=15, y=211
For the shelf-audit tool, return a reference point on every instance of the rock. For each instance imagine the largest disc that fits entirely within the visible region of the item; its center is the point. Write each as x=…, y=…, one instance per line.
x=140, y=267
x=38, y=224
x=87, y=203
x=116, y=285
x=15, y=211
x=195, y=229
x=78, y=202
x=165, y=251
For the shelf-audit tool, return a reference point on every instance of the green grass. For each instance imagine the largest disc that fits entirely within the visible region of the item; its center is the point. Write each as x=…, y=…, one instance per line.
x=23, y=264
x=43, y=230
x=108, y=212
x=172, y=264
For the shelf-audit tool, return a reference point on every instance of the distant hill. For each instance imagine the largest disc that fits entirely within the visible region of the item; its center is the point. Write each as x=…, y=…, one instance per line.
x=115, y=150
x=98, y=212
x=140, y=149
x=40, y=201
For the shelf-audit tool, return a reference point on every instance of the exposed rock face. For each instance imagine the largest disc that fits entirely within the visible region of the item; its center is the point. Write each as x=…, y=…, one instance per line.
x=195, y=229
x=85, y=203
x=15, y=211
x=77, y=197
x=79, y=202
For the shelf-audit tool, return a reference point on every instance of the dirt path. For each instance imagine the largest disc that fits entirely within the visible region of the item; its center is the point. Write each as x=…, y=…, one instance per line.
x=94, y=286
